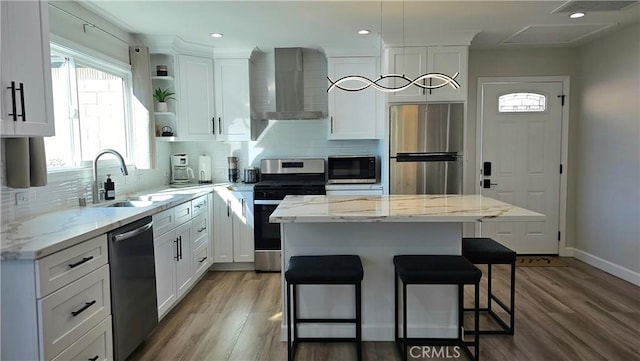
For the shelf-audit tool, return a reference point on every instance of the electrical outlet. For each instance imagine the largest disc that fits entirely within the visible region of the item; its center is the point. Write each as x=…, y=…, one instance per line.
x=22, y=198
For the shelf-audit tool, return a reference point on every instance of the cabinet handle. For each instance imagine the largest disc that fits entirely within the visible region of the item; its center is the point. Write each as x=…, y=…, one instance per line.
x=228, y=208
x=202, y=260
x=198, y=205
x=86, y=305
x=177, y=257
x=213, y=123
x=202, y=229
x=332, y=124
x=84, y=260
x=24, y=114
x=243, y=210
x=219, y=125
x=430, y=83
x=14, y=114
x=180, y=248
x=95, y=358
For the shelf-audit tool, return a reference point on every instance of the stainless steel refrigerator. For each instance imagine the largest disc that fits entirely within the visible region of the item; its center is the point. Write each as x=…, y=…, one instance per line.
x=426, y=148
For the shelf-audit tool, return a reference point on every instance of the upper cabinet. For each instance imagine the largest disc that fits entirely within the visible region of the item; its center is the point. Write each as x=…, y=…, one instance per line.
x=232, y=99
x=27, y=102
x=353, y=115
x=416, y=61
x=196, y=99
x=163, y=76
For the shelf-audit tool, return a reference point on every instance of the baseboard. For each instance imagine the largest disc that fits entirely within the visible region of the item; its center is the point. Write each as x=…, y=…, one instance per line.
x=236, y=266
x=609, y=267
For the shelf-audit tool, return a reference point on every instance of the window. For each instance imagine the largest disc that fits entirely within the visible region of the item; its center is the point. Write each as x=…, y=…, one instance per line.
x=90, y=101
x=522, y=102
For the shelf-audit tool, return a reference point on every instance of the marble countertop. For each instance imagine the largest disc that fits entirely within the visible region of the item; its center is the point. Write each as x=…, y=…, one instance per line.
x=399, y=208
x=42, y=235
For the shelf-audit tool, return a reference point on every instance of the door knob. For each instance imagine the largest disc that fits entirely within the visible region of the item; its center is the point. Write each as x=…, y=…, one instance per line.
x=486, y=183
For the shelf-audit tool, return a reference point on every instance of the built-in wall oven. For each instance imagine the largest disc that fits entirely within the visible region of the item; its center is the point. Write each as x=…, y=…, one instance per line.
x=279, y=178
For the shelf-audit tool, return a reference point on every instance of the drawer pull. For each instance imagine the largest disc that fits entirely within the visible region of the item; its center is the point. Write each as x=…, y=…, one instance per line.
x=202, y=229
x=202, y=260
x=83, y=260
x=95, y=358
x=86, y=305
x=198, y=205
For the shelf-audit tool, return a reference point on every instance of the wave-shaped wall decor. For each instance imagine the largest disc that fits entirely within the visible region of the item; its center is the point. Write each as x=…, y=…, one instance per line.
x=444, y=80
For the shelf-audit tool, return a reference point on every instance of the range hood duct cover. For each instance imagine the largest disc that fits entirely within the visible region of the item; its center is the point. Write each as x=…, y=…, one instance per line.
x=289, y=83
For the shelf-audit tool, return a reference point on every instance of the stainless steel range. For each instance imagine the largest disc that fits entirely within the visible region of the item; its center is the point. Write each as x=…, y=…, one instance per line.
x=279, y=178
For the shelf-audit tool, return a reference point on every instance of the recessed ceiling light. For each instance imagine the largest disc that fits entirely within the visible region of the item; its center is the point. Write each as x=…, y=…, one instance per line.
x=363, y=32
x=216, y=35
x=576, y=15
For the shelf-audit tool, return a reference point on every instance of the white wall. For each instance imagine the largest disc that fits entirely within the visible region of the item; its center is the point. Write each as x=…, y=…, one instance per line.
x=281, y=138
x=607, y=206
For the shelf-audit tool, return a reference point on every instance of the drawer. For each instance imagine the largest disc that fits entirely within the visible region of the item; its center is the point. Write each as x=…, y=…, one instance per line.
x=199, y=230
x=66, y=266
x=201, y=260
x=163, y=222
x=72, y=311
x=182, y=213
x=199, y=205
x=96, y=345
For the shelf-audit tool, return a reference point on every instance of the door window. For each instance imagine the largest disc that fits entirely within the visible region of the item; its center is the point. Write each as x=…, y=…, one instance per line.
x=522, y=102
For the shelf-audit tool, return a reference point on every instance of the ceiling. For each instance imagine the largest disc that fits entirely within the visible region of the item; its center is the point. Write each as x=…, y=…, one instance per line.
x=333, y=24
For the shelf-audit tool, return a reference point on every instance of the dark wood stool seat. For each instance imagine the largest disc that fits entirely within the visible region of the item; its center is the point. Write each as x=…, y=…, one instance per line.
x=436, y=270
x=322, y=270
x=488, y=251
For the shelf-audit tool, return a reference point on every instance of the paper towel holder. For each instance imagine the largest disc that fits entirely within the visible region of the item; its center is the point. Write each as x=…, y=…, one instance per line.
x=204, y=169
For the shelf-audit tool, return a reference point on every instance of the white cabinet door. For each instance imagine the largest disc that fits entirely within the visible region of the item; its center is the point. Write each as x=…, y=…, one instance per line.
x=448, y=60
x=166, y=252
x=184, y=270
x=222, y=229
x=243, y=246
x=26, y=69
x=412, y=62
x=196, y=98
x=233, y=119
x=352, y=114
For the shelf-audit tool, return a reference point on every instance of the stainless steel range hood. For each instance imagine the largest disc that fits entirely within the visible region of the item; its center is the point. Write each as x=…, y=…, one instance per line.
x=289, y=87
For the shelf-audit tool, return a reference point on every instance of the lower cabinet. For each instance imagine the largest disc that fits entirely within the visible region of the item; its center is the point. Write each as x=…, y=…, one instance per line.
x=181, y=252
x=58, y=307
x=233, y=226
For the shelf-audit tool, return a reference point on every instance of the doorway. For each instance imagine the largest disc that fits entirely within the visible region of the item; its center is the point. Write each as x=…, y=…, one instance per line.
x=520, y=157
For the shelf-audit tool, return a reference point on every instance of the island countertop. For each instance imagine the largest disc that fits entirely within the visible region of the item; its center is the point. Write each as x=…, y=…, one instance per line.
x=399, y=208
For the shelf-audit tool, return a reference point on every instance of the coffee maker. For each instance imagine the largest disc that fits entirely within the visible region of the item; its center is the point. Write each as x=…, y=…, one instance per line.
x=180, y=171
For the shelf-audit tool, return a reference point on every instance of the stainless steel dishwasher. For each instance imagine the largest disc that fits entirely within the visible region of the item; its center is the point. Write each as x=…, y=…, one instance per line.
x=133, y=286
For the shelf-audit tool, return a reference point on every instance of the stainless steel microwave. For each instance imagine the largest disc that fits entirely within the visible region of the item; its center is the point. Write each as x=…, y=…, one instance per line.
x=348, y=169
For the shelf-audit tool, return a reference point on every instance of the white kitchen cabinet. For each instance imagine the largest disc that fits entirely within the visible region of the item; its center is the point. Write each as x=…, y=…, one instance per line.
x=353, y=115
x=416, y=61
x=180, y=237
x=196, y=98
x=222, y=227
x=232, y=99
x=233, y=226
x=50, y=305
x=243, y=244
x=27, y=100
x=448, y=60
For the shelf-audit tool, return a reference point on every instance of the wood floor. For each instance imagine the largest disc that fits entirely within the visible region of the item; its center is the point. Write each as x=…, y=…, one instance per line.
x=562, y=313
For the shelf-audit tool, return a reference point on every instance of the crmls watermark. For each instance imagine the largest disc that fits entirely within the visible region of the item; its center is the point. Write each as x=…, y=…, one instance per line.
x=434, y=352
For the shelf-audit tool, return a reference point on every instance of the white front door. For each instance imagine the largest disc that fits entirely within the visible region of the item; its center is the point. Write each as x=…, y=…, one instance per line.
x=520, y=157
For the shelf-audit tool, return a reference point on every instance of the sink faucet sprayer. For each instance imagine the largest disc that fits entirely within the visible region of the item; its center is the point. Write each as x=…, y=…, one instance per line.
x=123, y=169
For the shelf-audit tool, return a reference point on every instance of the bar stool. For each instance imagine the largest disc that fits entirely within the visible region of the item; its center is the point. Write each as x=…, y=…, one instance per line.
x=322, y=270
x=436, y=270
x=488, y=251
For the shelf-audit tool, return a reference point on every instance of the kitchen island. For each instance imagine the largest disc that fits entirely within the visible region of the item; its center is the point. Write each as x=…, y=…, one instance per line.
x=376, y=228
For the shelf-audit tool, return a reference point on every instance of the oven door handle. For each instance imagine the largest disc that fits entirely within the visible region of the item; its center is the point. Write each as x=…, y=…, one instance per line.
x=266, y=202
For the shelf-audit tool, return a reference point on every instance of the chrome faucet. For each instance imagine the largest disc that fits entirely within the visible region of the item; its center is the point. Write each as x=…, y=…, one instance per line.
x=123, y=169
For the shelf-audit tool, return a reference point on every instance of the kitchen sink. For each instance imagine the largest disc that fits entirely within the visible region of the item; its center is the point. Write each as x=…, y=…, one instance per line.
x=131, y=203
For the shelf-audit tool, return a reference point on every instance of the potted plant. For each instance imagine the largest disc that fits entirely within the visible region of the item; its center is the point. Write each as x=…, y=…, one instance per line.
x=162, y=95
